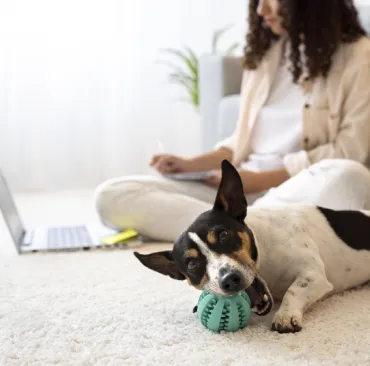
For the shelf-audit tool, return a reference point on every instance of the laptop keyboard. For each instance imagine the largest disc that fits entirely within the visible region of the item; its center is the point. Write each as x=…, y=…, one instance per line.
x=69, y=237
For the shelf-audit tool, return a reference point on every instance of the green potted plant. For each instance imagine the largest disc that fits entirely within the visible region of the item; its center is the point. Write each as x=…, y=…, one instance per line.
x=186, y=72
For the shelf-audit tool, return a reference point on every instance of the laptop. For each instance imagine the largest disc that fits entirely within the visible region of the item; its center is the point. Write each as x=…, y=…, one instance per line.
x=63, y=238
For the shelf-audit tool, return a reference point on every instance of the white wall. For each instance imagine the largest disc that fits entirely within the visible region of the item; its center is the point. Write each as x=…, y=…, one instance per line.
x=81, y=96
x=235, y=12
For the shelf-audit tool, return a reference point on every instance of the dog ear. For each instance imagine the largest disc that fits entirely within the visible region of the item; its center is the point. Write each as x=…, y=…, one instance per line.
x=230, y=196
x=161, y=262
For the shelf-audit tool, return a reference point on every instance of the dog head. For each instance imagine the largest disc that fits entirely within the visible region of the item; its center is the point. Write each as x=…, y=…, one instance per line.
x=218, y=252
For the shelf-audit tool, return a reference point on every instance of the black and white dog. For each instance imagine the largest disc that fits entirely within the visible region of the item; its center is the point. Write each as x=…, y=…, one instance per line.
x=295, y=254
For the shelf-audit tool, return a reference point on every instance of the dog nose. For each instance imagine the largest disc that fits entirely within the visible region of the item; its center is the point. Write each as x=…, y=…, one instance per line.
x=231, y=282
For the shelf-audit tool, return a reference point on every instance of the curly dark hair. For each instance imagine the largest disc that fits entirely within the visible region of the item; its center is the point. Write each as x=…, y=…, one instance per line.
x=320, y=25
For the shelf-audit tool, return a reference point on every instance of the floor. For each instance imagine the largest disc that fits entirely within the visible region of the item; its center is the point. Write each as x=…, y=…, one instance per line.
x=104, y=308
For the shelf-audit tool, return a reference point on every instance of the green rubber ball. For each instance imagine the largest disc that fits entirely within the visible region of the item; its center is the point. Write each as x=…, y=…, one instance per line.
x=224, y=313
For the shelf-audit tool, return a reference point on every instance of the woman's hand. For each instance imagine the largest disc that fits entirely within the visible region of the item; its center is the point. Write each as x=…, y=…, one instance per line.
x=168, y=164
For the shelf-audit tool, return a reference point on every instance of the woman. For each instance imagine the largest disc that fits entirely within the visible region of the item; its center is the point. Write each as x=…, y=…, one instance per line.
x=303, y=134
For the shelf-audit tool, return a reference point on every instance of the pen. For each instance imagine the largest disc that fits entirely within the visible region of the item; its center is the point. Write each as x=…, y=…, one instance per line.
x=160, y=146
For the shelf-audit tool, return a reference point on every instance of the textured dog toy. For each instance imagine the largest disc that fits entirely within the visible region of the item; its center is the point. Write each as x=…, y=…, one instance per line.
x=224, y=313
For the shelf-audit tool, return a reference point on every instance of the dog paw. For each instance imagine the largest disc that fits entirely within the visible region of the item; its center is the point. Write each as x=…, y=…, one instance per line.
x=284, y=323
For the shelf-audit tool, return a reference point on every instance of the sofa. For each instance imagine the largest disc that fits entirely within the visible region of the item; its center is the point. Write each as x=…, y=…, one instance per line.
x=219, y=87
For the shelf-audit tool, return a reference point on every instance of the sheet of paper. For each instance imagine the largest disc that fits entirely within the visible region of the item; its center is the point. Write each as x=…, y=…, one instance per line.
x=119, y=237
x=190, y=176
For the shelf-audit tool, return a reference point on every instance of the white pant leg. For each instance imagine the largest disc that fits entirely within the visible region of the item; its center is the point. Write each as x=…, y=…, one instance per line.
x=161, y=209
x=156, y=207
x=335, y=183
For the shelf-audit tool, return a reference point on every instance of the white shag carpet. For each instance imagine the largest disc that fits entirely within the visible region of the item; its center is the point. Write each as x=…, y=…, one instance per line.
x=104, y=308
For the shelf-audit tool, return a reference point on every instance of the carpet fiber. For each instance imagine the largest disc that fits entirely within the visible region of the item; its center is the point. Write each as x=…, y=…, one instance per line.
x=104, y=308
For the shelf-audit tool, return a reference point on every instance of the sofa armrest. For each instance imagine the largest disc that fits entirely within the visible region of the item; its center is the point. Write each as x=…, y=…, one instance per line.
x=219, y=76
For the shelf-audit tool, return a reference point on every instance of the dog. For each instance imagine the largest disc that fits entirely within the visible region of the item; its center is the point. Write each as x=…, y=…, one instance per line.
x=294, y=254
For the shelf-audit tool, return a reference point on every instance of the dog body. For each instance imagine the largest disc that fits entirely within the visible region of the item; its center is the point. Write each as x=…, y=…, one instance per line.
x=299, y=242
x=296, y=254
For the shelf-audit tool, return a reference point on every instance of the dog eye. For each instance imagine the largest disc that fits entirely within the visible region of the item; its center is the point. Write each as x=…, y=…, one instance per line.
x=223, y=235
x=192, y=265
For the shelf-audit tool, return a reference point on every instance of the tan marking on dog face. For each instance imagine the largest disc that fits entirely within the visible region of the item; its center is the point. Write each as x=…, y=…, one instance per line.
x=246, y=241
x=192, y=253
x=211, y=237
x=243, y=255
x=201, y=284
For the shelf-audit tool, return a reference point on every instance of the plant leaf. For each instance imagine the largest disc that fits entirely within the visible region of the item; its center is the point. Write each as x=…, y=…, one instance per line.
x=217, y=35
x=187, y=78
x=175, y=68
x=169, y=64
x=184, y=80
x=182, y=75
x=194, y=97
x=192, y=56
x=231, y=49
x=190, y=85
x=187, y=60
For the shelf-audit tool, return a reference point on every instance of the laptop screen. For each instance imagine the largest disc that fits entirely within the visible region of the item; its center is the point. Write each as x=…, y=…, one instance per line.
x=10, y=213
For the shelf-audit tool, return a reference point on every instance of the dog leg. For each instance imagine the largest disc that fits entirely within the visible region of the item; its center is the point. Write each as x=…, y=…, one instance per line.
x=308, y=288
